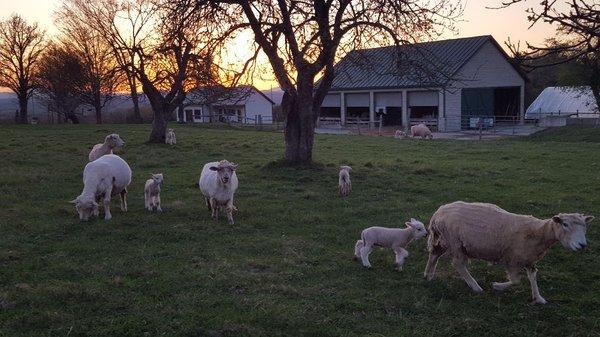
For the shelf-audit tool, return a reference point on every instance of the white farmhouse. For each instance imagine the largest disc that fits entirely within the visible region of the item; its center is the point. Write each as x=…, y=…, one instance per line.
x=449, y=84
x=243, y=104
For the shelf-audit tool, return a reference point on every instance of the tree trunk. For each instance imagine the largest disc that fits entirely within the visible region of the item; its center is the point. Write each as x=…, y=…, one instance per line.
x=98, y=110
x=159, y=126
x=137, y=117
x=22, y=108
x=299, y=127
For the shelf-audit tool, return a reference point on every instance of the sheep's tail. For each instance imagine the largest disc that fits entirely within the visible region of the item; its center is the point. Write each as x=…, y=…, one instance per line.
x=434, y=233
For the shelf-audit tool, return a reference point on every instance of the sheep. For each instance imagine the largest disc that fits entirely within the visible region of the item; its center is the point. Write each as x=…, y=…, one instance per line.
x=345, y=185
x=111, y=142
x=152, y=192
x=218, y=183
x=488, y=232
x=103, y=178
x=421, y=130
x=399, y=134
x=170, y=137
x=395, y=238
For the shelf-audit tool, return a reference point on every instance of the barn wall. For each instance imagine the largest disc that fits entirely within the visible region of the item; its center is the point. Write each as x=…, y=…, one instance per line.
x=256, y=105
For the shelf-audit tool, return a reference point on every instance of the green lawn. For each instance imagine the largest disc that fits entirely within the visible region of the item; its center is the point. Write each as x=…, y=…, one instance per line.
x=285, y=267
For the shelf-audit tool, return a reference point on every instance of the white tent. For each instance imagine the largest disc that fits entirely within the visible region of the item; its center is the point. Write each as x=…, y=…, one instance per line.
x=564, y=101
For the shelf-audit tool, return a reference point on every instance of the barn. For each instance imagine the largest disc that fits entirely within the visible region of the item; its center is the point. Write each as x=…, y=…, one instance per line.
x=449, y=84
x=243, y=104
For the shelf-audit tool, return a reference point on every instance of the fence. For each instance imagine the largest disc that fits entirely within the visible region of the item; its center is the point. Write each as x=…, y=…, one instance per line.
x=258, y=121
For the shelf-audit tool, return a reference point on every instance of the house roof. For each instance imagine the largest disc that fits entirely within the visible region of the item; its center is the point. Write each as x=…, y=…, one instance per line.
x=222, y=95
x=426, y=64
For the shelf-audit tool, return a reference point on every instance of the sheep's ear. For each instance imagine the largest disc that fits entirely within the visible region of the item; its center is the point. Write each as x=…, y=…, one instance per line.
x=413, y=220
x=74, y=201
x=409, y=224
x=214, y=168
x=95, y=203
x=588, y=219
x=233, y=166
x=557, y=219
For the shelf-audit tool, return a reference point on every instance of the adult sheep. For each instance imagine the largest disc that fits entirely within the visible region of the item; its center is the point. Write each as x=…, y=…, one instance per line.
x=111, y=142
x=421, y=130
x=487, y=232
x=218, y=183
x=103, y=178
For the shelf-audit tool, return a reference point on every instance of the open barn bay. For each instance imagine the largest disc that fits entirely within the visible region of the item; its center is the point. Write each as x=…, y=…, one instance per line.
x=285, y=267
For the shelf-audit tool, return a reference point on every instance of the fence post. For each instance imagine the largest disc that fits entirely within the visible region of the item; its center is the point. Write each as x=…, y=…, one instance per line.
x=380, y=123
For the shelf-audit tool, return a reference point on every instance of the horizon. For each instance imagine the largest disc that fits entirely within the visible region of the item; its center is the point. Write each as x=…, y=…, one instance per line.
x=477, y=20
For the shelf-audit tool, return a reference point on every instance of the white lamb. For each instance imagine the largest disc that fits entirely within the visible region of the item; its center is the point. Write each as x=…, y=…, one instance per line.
x=111, y=142
x=395, y=238
x=170, y=137
x=103, y=178
x=218, y=183
x=152, y=192
x=421, y=130
x=399, y=134
x=487, y=232
x=344, y=183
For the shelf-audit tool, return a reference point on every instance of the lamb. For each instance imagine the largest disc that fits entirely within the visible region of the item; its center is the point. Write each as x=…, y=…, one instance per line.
x=395, y=238
x=399, y=134
x=488, y=232
x=170, y=137
x=421, y=130
x=103, y=178
x=152, y=192
x=345, y=185
x=111, y=142
x=218, y=183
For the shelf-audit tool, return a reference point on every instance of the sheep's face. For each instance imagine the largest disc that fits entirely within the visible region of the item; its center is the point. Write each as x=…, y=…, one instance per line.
x=418, y=227
x=86, y=208
x=114, y=141
x=158, y=178
x=345, y=168
x=571, y=230
x=171, y=131
x=225, y=170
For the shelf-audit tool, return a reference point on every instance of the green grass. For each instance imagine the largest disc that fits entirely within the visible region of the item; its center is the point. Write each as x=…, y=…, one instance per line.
x=285, y=267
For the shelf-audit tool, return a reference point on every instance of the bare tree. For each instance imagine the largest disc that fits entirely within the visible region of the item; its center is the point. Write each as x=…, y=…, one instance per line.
x=101, y=74
x=303, y=39
x=20, y=47
x=165, y=47
x=578, y=37
x=59, y=81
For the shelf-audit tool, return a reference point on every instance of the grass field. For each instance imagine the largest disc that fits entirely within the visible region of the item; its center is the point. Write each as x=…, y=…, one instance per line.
x=285, y=267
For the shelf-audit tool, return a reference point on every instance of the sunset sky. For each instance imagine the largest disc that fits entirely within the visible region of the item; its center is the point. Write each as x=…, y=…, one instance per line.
x=477, y=20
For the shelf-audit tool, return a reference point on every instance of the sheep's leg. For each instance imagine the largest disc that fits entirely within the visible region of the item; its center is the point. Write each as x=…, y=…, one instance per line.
x=460, y=263
x=229, y=210
x=207, y=201
x=513, y=278
x=357, y=247
x=535, y=291
x=158, y=208
x=364, y=254
x=124, y=200
x=215, y=208
x=107, y=215
x=434, y=255
x=147, y=201
x=401, y=254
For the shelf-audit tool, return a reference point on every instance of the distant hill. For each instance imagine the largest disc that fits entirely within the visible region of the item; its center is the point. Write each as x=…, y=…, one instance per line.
x=275, y=94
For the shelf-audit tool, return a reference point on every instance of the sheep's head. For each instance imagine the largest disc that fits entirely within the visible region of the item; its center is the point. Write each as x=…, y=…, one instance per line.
x=570, y=229
x=85, y=207
x=418, y=227
x=113, y=140
x=170, y=130
x=224, y=170
x=158, y=178
x=345, y=168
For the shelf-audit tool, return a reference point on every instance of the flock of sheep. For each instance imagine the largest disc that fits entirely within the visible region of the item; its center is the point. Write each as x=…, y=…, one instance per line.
x=460, y=230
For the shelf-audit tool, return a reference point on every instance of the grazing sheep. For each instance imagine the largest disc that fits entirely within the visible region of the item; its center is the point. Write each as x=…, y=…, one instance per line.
x=103, y=178
x=487, y=232
x=421, y=130
x=152, y=192
x=344, y=183
x=399, y=134
x=111, y=142
x=170, y=137
x=395, y=238
x=218, y=183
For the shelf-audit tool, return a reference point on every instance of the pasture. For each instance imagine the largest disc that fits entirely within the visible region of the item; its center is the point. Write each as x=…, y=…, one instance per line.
x=285, y=267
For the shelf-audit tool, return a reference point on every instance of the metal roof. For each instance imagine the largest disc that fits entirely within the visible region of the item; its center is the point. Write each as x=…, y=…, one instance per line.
x=427, y=64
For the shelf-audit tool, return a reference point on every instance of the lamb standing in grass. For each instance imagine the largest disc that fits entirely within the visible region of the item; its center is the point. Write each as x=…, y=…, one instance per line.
x=487, y=232
x=399, y=134
x=395, y=238
x=218, y=183
x=344, y=182
x=421, y=130
x=111, y=142
x=170, y=137
x=103, y=178
x=152, y=192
